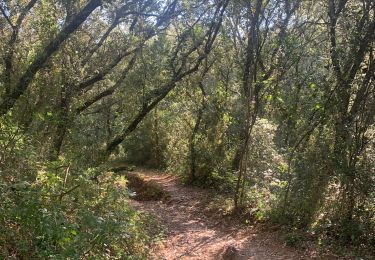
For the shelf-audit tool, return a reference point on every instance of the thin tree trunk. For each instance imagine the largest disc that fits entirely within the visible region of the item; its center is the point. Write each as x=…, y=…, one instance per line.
x=193, y=153
x=61, y=126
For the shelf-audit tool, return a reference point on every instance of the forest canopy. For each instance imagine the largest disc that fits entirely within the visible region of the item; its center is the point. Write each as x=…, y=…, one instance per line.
x=269, y=102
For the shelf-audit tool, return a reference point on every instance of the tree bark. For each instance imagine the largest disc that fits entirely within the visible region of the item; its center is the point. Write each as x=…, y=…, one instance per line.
x=62, y=125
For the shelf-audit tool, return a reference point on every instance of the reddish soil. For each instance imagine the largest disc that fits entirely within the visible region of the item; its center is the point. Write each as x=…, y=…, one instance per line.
x=190, y=233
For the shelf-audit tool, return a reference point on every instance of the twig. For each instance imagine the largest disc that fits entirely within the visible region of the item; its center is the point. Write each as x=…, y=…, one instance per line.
x=61, y=195
x=66, y=175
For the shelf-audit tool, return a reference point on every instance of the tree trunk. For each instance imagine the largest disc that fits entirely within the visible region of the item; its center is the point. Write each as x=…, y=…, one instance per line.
x=193, y=153
x=61, y=126
x=21, y=86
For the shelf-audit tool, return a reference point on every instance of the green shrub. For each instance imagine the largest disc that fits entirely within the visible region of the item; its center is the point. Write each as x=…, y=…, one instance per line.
x=61, y=210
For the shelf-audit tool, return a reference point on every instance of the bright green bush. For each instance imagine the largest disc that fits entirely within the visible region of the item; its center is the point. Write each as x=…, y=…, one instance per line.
x=59, y=210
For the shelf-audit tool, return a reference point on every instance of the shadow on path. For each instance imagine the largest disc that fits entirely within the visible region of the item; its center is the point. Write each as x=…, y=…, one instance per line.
x=191, y=234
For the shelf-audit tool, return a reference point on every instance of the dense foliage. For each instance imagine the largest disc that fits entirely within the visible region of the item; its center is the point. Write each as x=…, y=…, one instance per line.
x=271, y=102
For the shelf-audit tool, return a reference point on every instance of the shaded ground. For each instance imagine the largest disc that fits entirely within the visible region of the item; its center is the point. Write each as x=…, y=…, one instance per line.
x=190, y=234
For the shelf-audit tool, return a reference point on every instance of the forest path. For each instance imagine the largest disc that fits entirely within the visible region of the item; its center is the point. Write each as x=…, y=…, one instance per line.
x=192, y=234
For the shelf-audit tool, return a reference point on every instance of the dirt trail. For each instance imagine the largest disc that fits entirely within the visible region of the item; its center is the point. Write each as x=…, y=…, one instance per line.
x=190, y=234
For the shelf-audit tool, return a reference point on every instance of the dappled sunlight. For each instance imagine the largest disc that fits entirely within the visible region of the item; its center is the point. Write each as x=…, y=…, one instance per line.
x=191, y=233
x=187, y=129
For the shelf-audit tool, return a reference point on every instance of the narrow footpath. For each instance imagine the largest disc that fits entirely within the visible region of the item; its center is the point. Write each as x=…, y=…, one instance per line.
x=192, y=234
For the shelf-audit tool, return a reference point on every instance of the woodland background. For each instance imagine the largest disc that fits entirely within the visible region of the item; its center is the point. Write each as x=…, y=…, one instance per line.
x=269, y=102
